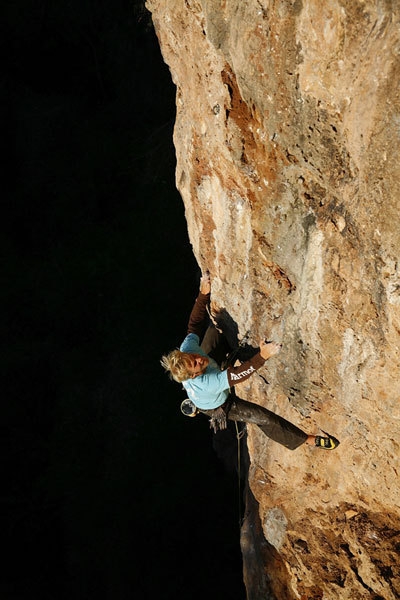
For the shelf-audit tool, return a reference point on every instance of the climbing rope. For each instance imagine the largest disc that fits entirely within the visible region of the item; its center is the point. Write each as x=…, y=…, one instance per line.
x=239, y=436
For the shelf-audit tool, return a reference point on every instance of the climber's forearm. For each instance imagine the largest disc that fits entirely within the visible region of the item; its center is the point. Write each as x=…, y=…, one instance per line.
x=199, y=317
x=244, y=371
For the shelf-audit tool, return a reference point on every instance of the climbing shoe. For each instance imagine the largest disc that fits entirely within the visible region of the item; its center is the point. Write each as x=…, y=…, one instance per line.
x=327, y=443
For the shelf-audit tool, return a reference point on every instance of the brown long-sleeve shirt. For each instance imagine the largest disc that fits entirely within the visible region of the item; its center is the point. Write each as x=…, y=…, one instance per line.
x=198, y=325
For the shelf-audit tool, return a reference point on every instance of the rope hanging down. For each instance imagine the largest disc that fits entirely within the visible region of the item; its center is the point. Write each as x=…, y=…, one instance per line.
x=239, y=436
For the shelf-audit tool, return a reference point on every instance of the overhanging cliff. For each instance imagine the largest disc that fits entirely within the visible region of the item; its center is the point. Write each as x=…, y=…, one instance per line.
x=287, y=135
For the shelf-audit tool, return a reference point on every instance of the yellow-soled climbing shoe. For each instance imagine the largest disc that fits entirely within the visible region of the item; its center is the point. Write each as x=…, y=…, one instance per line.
x=327, y=443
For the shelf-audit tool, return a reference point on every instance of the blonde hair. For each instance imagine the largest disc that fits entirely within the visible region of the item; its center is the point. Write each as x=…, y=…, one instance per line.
x=177, y=365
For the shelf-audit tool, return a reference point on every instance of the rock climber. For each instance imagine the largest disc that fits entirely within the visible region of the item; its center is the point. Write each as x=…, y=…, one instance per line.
x=211, y=389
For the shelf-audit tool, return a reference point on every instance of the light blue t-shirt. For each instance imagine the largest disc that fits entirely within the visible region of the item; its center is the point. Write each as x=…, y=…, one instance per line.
x=211, y=389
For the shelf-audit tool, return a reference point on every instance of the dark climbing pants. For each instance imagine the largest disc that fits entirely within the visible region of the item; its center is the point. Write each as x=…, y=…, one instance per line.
x=275, y=427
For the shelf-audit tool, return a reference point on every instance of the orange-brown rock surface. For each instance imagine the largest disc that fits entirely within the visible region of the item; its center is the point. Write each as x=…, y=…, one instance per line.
x=287, y=140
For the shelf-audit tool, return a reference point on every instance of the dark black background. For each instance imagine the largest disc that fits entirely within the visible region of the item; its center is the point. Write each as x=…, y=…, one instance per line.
x=108, y=491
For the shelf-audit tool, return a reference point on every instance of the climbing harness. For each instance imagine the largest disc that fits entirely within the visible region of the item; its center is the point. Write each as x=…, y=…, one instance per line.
x=218, y=419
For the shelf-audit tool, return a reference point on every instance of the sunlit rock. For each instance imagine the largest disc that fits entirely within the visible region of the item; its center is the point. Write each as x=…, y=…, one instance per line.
x=287, y=135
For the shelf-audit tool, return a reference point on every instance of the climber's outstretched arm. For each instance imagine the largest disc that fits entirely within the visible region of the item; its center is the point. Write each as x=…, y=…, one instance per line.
x=242, y=372
x=198, y=320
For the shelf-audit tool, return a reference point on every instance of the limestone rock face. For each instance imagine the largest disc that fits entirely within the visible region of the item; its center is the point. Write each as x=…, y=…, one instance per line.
x=287, y=140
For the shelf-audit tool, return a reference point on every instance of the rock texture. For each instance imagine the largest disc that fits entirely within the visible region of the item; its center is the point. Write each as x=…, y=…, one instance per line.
x=287, y=141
